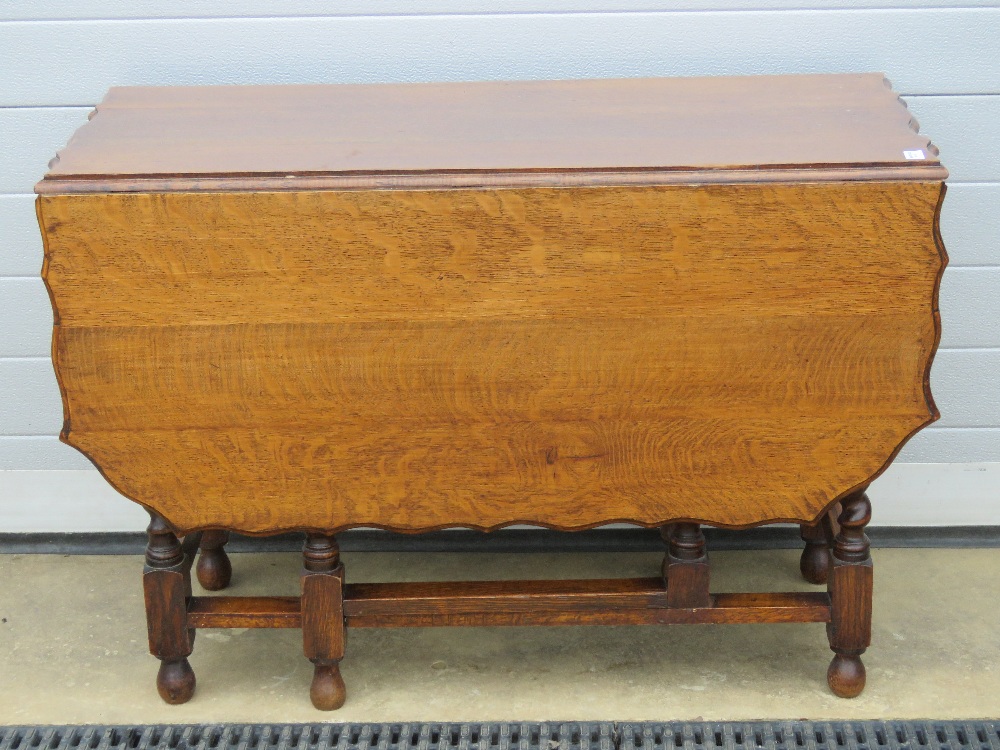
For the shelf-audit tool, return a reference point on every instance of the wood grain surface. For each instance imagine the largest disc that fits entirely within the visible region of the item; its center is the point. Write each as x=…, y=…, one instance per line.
x=604, y=609
x=244, y=612
x=729, y=354
x=504, y=131
x=622, y=601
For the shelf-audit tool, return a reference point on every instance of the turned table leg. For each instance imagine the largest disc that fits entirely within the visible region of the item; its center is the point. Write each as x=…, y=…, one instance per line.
x=323, y=619
x=819, y=538
x=850, y=587
x=166, y=581
x=685, y=566
x=214, y=569
x=815, y=560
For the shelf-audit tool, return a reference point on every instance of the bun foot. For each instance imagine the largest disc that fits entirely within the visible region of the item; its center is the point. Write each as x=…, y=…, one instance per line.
x=328, y=691
x=846, y=676
x=214, y=569
x=175, y=681
x=815, y=563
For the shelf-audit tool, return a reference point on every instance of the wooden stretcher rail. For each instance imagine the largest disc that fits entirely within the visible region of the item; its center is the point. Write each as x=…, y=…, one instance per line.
x=244, y=612
x=633, y=601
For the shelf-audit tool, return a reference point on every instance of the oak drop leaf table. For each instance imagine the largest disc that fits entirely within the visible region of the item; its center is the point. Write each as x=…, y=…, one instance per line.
x=670, y=302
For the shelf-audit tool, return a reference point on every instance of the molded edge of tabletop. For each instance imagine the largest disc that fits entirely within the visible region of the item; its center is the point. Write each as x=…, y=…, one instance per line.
x=492, y=134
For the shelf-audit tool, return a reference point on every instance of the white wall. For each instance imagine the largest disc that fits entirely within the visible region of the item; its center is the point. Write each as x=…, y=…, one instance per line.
x=57, y=58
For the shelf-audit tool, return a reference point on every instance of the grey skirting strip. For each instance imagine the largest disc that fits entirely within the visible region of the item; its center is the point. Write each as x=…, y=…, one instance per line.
x=509, y=540
x=758, y=735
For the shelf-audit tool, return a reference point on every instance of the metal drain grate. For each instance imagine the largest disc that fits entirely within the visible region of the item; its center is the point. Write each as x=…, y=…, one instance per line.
x=543, y=736
x=789, y=735
x=804, y=735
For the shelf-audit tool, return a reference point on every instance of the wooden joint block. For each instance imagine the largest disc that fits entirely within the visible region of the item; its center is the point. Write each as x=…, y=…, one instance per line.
x=323, y=634
x=687, y=583
x=685, y=567
x=850, y=585
x=166, y=592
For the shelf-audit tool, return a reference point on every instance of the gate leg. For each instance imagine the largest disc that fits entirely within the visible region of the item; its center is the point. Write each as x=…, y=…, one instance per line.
x=815, y=560
x=323, y=619
x=214, y=569
x=850, y=586
x=166, y=582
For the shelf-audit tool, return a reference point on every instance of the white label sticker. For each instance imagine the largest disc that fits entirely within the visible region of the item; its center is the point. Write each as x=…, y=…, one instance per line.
x=918, y=154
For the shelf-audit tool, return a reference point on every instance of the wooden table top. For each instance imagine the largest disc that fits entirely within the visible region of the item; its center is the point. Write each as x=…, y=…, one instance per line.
x=518, y=133
x=314, y=307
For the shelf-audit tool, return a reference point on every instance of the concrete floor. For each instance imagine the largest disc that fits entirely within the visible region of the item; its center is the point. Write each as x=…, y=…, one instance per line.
x=73, y=650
